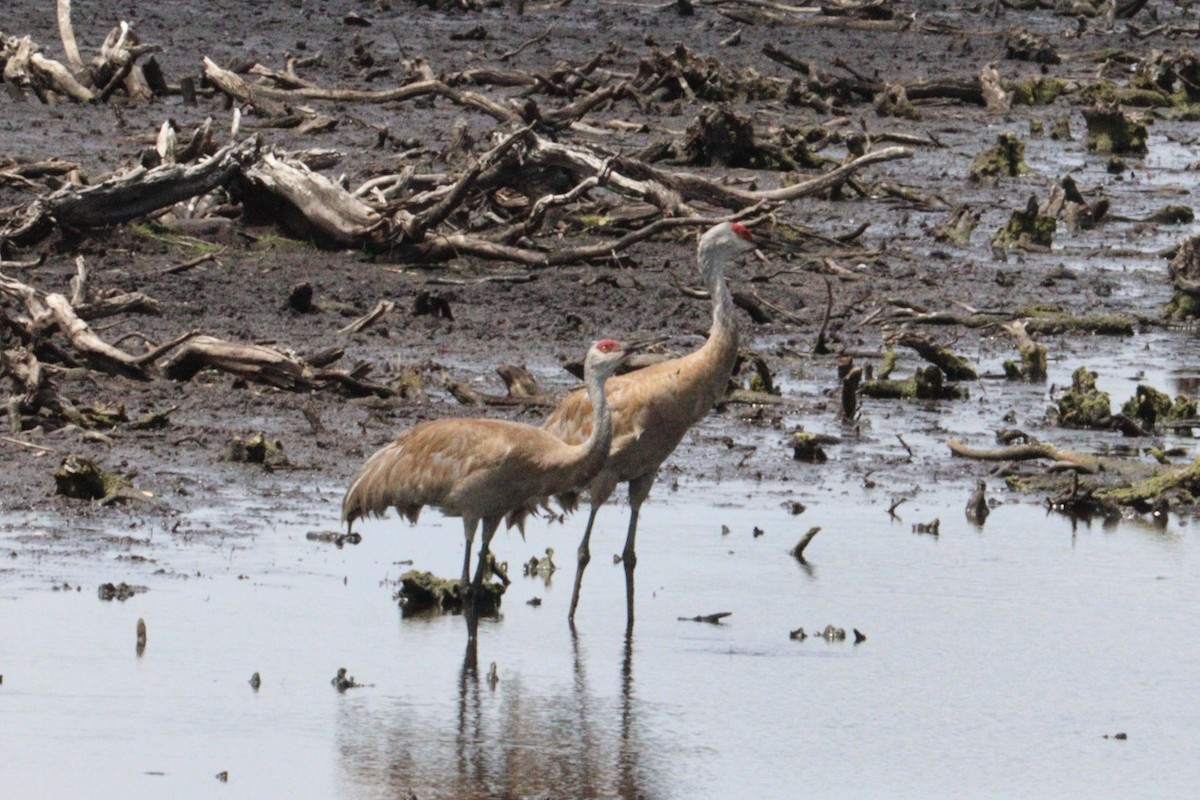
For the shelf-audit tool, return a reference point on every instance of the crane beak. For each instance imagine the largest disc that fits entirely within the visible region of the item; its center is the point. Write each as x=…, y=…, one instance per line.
x=640, y=345
x=763, y=242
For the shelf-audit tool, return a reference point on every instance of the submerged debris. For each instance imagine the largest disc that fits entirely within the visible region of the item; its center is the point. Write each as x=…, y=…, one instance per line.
x=712, y=619
x=335, y=538
x=540, y=567
x=120, y=591
x=798, y=550
x=977, y=505
x=424, y=591
x=930, y=528
x=833, y=634
x=342, y=681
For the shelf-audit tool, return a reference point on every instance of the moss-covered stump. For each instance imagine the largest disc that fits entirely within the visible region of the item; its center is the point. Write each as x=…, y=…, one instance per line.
x=1006, y=158
x=1038, y=91
x=925, y=384
x=80, y=478
x=1184, y=271
x=958, y=228
x=1183, y=484
x=424, y=591
x=1110, y=130
x=953, y=366
x=807, y=447
x=1027, y=227
x=257, y=449
x=893, y=102
x=1049, y=322
x=1032, y=367
x=1149, y=406
x=1026, y=46
x=1083, y=405
x=1060, y=129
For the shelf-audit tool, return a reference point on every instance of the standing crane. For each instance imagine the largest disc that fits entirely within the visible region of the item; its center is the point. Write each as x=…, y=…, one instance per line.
x=486, y=470
x=652, y=408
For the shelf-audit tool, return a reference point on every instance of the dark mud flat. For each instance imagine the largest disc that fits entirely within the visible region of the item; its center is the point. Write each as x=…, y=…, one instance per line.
x=1008, y=650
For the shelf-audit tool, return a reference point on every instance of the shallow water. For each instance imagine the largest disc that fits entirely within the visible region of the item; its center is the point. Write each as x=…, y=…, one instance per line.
x=996, y=660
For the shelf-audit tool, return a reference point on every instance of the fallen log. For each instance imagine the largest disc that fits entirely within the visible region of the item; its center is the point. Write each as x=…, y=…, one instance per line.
x=248, y=361
x=1025, y=452
x=317, y=207
x=54, y=310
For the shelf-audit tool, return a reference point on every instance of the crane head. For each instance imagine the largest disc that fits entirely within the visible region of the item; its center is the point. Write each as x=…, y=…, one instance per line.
x=741, y=231
x=607, y=355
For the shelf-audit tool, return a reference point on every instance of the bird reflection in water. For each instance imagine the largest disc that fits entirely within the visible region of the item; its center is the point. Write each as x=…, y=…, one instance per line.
x=506, y=741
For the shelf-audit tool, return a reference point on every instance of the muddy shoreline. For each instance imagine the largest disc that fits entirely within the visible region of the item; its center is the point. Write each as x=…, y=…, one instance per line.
x=549, y=315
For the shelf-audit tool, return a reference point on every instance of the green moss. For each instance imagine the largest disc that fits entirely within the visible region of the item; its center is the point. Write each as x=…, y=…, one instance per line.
x=1148, y=405
x=1026, y=227
x=424, y=591
x=925, y=384
x=1007, y=158
x=1083, y=405
x=1039, y=91
x=1060, y=129
x=1112, y=131
x=82, y=479
x=157, y=233
x=1182, y=306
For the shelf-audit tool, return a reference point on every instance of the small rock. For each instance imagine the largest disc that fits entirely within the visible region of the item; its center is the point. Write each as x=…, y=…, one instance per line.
x=798, y=635
x=223, y=777
x=255, y=681
x=534, y=601
x=859, y=636
x=758, y=531
x=141, y=636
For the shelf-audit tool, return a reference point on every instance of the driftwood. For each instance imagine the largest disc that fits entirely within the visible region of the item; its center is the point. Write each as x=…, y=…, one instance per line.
x=127, y=197
x=55, y=311
x=1024, y=452
x=251, y=362
x=954, y=367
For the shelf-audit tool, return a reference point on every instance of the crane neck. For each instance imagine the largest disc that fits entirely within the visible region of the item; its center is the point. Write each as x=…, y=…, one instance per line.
x=724, y=325
x=595, y=447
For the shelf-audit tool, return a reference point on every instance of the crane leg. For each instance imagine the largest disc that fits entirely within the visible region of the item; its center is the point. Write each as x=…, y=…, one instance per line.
x=584, y=556
x=639, y=490
x=472, y=597
x=469, y=526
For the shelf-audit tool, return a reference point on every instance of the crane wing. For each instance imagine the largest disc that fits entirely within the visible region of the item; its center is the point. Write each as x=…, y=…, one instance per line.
x=425, y=465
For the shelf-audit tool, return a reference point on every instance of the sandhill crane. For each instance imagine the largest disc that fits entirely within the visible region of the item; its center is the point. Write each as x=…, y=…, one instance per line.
x=486, y=470
x=653, y=408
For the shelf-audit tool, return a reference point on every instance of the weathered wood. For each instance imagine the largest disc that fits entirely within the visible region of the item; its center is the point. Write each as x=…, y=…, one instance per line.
x=141, y=191
x=252, y=362
x=329, y=212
